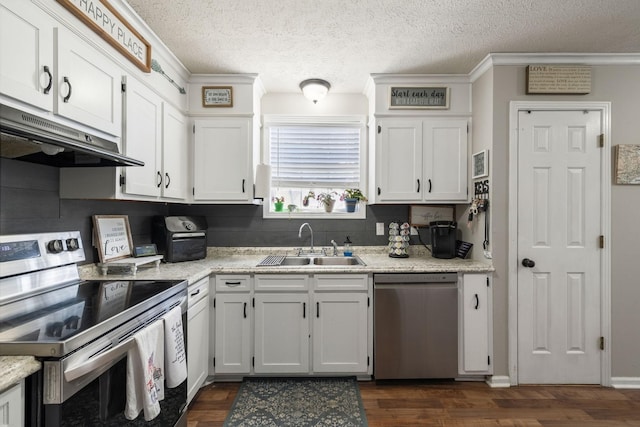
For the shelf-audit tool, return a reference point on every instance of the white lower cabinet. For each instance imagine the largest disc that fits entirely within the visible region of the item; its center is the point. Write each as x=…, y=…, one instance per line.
x=300, y=324
x=197, y=336
x=281, y=333
x=233, y=325
x=12, y=406
x=475, y=325
x=340, y=332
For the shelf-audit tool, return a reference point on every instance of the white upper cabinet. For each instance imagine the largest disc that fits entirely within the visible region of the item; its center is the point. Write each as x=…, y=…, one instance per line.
x=223, y=162
x=175, y=150
x=142, y=139
x=26, y=43
x=88, y=88
x=421, y=160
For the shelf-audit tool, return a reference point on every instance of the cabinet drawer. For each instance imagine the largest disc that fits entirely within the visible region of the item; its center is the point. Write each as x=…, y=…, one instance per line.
x=235, y=283
x=198, y=291
x=282, y=282
x=341, y=282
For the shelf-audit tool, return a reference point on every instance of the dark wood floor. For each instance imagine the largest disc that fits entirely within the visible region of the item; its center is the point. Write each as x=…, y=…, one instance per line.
x=461, y=404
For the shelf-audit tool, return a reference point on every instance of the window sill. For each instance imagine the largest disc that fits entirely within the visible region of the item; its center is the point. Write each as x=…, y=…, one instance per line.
x=360, y=213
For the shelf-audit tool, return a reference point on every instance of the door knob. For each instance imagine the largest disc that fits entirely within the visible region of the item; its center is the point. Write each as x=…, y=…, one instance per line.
x=529, y=263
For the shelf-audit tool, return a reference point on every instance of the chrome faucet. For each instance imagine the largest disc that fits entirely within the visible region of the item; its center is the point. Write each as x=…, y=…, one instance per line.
x=335, y=247
x=310, y=230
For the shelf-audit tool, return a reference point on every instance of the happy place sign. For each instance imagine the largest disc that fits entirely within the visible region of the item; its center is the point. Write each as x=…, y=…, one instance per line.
x=102, y=18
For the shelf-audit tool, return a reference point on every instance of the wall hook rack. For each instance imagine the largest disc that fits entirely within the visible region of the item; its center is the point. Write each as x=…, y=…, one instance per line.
x=155, y=66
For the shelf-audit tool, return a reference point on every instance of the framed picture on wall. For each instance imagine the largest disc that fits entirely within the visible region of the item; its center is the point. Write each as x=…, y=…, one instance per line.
x=480, y=164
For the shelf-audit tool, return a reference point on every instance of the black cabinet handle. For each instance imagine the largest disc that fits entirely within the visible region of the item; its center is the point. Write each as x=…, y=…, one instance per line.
x=159, y=179
x=245, y=310
x=379, y=191
x=48, y=88
x=243, y=185
x=318, y=310
x=232, y=283
x=477, y=302
x=304, y=310
x=66, y=98
x=195, y=293
x=167, y=179
x=429, y=185
x=418, y=190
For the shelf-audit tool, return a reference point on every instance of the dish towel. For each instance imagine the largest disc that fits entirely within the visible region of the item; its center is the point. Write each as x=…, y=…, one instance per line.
x=145, y=372
x=175, y=357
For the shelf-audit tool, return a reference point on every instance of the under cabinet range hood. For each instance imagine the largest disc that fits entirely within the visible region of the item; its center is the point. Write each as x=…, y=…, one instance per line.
x=30, y=138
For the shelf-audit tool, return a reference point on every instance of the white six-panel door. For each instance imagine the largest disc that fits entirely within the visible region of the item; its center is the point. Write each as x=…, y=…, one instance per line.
x=559, y=225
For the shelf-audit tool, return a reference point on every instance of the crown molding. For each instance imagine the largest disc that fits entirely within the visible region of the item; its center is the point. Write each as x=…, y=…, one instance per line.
x=496, y=59
x=224, y=79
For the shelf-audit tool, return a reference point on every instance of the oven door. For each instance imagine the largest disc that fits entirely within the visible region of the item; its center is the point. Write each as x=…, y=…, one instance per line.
x=88, y=388
x=187, y=247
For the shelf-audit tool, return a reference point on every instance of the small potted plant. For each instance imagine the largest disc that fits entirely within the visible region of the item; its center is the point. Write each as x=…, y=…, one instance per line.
x=278, y=202
x=351, y=197
x=327, y=200
x=309, y=196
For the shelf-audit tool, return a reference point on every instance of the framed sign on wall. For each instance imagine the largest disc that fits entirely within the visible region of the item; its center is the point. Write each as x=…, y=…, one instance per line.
x=480, y=164
x=217, y=96
x=419, y=97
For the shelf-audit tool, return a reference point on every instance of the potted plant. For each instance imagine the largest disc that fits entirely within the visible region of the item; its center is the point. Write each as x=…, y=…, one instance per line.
x=351, y=197
x=309, y=196
x=327, y=200
x=278, y=202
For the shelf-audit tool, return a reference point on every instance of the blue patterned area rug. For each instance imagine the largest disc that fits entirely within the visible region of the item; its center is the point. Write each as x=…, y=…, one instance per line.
x=297, y=402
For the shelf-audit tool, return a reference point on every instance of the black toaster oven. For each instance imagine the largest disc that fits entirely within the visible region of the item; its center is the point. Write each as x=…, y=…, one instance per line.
x=180, y=238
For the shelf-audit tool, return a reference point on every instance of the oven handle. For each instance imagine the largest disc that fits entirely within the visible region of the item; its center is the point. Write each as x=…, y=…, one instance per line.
x=94, y=363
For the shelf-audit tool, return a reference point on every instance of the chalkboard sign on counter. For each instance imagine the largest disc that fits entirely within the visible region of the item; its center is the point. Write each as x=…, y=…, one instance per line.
x=419, y=97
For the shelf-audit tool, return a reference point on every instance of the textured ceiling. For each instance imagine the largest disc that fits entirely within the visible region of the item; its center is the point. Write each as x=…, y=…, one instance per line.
x=343, y=41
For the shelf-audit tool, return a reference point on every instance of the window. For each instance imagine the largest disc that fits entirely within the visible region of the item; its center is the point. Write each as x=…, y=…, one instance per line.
x=311, y=157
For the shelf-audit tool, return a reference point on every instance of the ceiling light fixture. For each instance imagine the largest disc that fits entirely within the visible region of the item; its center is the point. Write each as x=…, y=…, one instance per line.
x=315, y=89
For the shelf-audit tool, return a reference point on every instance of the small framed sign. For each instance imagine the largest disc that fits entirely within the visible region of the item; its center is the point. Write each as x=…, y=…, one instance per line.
x=480, y=164
x=217, y=96
x=112, y=237
x=422, y=215
x=419, y=97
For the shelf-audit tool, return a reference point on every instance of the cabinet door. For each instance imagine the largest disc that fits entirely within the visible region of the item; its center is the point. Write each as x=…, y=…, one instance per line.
x=475, y=353
x=340, y=332
x=174, y=153
x=197, y=345
x=233, y=334
x=282, y=333
x=399, y=161
x=26, y=43
x=88, y=85
x=223, y=160
x=12, y=406
x=142, y=138
x=445, y=160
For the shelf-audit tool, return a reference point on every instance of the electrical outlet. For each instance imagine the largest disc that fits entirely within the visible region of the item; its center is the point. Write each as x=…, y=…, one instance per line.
x=379, y=228
x=414, y=231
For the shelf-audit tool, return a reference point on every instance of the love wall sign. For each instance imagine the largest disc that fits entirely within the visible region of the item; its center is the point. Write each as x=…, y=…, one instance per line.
x=112, y=237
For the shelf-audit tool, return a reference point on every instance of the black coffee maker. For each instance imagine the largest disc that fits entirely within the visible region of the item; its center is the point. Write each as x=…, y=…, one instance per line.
x=443, y=239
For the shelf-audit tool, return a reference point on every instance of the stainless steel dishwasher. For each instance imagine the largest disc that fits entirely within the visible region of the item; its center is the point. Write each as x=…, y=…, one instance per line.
x=415, y=325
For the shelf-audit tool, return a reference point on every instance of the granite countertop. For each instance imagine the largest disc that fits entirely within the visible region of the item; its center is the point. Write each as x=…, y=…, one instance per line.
x=239, y=260
x=244, y=261
x=15, y=368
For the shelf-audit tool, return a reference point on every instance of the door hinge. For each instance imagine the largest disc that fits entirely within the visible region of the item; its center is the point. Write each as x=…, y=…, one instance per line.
x=601, y=344
x=601, y=140
x=601, y=242
x=123, y=180
x=123, y=87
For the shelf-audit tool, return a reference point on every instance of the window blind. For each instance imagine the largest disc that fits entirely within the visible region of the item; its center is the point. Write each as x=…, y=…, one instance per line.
x=315, y=156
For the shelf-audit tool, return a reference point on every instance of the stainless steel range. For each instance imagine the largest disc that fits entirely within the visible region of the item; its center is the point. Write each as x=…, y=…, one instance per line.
x=80, y=330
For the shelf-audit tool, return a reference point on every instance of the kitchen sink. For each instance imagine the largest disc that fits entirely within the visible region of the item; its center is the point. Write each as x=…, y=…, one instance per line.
x=279, y=260
x=352, y=260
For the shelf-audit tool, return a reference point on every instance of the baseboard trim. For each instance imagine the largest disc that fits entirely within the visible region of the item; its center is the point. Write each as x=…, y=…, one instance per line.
x=499, y=381
x=625, y=382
